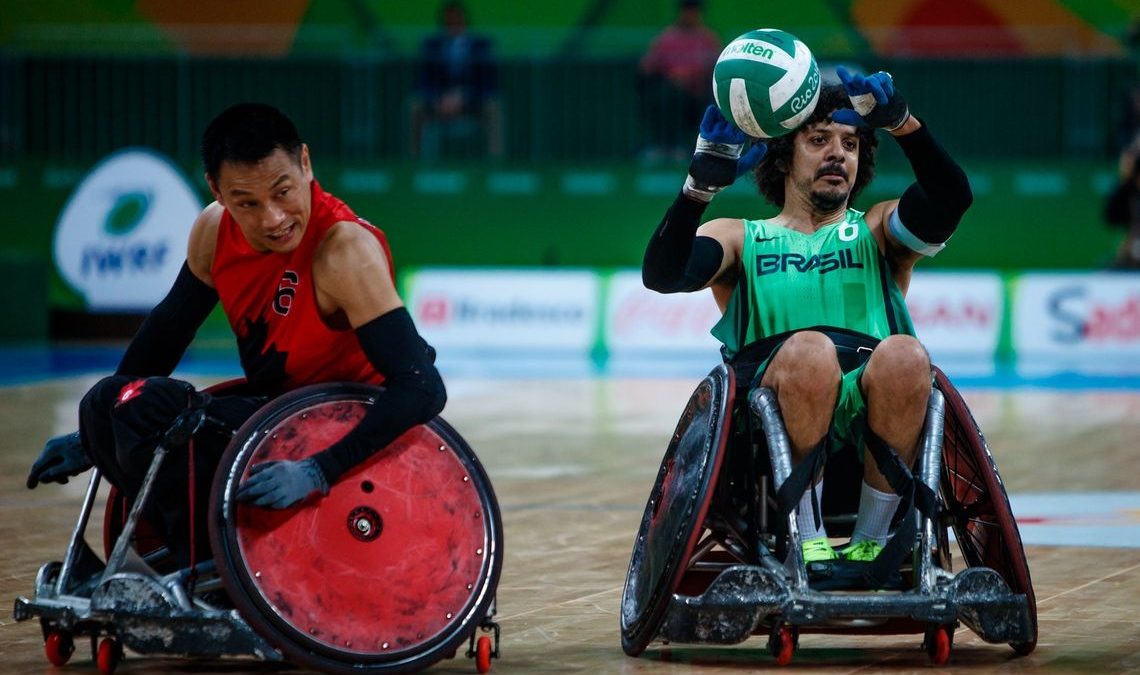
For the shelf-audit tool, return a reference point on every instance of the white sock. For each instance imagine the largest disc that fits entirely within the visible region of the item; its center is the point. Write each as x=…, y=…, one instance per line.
x=805, y=514
x=876, y=509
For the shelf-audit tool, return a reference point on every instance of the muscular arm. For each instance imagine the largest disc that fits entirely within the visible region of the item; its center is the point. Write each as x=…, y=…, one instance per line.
x=169, y=328
x=683, y=255
x=351, y=274
x=922, y=220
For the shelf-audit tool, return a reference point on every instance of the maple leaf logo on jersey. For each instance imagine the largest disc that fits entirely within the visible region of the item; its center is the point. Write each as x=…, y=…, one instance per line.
x=264, y=366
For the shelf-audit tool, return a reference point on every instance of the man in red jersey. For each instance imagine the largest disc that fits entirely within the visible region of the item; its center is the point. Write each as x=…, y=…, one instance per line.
x=309, y=290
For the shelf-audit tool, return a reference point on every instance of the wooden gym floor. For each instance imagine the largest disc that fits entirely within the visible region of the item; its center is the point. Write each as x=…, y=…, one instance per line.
x=572, y=461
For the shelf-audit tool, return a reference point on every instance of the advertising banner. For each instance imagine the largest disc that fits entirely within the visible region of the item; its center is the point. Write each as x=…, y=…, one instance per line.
x=1090, y=322
x=121, y=237
x=957, y=315
x=641, y=320
x=501, y=310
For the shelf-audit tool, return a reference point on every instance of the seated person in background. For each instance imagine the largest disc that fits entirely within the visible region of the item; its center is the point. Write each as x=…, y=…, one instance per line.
x=675, y=81
x=1123, y=208
x=308, y=289
x=790, y=286
x=456, y=78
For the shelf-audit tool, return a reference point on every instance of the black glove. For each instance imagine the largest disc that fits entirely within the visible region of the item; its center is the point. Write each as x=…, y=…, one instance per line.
x=719, y=157
x=279, y=484
x=62, y=458
x=876, y=101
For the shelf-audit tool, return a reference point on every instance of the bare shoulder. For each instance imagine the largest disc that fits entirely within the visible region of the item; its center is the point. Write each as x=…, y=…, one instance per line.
x=348, y=243
x=351, y=274
x=204, y=242
x=728, y=231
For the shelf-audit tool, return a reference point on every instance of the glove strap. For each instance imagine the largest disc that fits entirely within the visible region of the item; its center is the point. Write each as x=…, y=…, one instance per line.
x=699, y=192
x=902, y=121
x=716, y=149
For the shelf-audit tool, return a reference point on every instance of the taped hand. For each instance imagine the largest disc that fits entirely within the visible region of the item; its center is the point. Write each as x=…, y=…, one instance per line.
x=876, y=101
x=720, y=156
x=62, y=458
x=280, y=484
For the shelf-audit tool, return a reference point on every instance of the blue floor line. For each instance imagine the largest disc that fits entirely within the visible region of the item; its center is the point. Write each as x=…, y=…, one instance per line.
x=30, y=365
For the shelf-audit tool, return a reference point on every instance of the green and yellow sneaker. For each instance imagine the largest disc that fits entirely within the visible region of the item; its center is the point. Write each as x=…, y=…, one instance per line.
x=862, y=551
x=818, y=550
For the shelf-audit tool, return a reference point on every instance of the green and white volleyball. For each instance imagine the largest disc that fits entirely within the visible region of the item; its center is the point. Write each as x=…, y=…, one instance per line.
x=766, y=82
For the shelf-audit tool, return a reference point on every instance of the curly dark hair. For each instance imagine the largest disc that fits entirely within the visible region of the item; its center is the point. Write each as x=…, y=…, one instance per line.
x=773, y=169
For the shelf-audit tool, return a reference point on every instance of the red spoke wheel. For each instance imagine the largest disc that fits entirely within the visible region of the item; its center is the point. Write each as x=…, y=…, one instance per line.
x=976, y=500
x=390, y=571
x=675, y=513
x=58, y=647
x=483, y=654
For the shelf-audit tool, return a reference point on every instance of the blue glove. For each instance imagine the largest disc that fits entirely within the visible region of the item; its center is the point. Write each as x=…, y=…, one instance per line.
x=719, y=158
x=876, y=101
x=279, y=484
x=62, y=458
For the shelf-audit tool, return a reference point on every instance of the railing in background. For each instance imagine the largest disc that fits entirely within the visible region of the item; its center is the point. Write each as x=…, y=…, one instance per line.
x=356, y=107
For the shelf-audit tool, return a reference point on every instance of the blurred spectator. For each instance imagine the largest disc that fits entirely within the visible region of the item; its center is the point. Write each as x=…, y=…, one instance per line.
x=675, y=82
x=456, y=86
x=1123, y=208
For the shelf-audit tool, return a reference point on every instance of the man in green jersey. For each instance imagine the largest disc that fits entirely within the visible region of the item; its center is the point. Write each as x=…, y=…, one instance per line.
x=784, y=283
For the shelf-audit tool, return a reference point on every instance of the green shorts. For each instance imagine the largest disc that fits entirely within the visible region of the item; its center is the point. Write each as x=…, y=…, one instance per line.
x=849, y=417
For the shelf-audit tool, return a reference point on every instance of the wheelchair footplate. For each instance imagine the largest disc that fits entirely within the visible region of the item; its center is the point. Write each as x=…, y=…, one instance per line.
x=744, y=598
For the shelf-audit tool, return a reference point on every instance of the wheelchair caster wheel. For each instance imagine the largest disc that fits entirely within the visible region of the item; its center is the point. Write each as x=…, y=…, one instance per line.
x=58, y=647
x=483, y=654
x=939, y=640
x=109, y=656
x=782, y=644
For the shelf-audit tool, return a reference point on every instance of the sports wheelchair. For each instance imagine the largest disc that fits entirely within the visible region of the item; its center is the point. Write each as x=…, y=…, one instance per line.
x=718, y=558
x=390, y=572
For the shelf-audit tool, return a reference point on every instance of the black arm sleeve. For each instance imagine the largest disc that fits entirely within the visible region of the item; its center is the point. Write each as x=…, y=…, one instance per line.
x=166, y=332
x=412, y=394
x=932, y=206
x=677, y=260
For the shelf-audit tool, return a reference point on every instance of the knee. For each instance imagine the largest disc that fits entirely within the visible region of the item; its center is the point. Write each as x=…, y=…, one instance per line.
x=100, y=399
x=899, y=362
x=807, y=362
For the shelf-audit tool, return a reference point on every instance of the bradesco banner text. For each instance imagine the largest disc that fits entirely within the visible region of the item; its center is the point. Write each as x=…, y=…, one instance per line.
x=500, y=310
x=1089, y=321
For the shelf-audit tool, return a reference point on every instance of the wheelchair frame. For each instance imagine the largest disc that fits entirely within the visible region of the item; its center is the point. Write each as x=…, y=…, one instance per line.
x=709, y=574
x=126, y=602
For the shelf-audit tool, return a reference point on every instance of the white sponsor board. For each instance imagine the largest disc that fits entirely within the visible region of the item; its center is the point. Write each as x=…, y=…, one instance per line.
x=121, y=237
x=499, y=310
x=640, y=320
x=956, y=314
x=1086, y=321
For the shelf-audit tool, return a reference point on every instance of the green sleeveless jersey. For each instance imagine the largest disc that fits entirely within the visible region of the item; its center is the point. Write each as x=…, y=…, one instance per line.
x=791, y=280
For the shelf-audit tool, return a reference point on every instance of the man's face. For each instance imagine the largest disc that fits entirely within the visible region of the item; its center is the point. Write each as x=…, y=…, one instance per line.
x=825, y=163
x=270, y=200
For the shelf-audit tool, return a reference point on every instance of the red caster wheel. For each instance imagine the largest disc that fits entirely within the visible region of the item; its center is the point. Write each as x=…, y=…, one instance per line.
x=58, y=647
x=109, y=656
x=939, y=640
x=483, y=654
x=782, y=644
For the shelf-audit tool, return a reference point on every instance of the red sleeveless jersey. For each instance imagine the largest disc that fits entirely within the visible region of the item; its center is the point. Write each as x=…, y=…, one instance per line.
x=271, y=304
